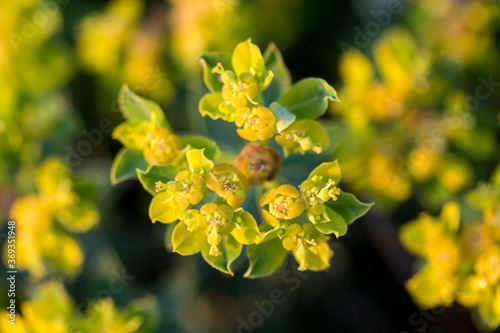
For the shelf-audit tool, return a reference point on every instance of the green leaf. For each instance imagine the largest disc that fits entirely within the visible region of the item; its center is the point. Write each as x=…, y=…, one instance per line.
x=209, y=106
x=248, y=231
x=265, y=258
x=148, y=310
x=230, y=249
x=155, y=173
x=135, y=108
x=336, y=225
x=308, y=98
x=327, y=170
x=284, y=118
x=126, y=162
x=187, y=242
x=200, y=142
x=282, y=78
x=349, y=207
x=209, y=60
x=247, y=58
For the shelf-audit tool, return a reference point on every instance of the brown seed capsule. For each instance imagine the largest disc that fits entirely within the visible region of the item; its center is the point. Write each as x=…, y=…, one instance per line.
x=258, y=163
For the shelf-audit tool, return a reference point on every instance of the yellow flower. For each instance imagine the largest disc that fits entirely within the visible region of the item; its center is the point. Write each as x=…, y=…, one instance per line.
x=217, y=221
x=309, y=247
x=31, y=213
x=176, y=196
x=228, y=183
x=238, y=91
x=284, y=203
x=258, y=123
x=488, y=265
x=316, y=191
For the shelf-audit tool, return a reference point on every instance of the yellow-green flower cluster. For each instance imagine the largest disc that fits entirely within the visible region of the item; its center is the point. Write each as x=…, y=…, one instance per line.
x=51, y=309
x=156, y=142
x=43, y=246
x=206, y=198
x=238, y=83
x=285, y=204
x=238, y=98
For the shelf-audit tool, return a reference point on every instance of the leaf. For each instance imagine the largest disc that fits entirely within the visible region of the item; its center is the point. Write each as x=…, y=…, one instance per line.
x=336, y=225
x=155, y=173
x=135, y=108
x=308, y=98
x=327, y=170
x=201, y=142
x=284, y=118
x=126, y=162
x=265, y=258
x=231, y=250
x=187, y=242
x=282, y=78
x=209, y=60
x=247, y=58
x=349, y=207
x=248, y=231
x=148, y=309
x=209, y=106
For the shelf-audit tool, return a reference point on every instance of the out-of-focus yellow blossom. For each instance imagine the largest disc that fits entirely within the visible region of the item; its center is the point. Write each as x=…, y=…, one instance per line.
x=470, y=23
x=462, y=264
x=102, y=35
x=384, y=176
x=52, y=310
x=436, y=241
x=454, y=173
x=196, y=27
x=118, y=47
x=43, y=246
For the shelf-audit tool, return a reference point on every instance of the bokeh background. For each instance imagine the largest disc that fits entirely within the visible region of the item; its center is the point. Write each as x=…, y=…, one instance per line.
x=401, y=68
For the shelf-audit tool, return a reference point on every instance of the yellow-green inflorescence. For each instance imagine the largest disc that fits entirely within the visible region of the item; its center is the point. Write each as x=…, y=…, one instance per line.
x=307, y=241
x=177, y=200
